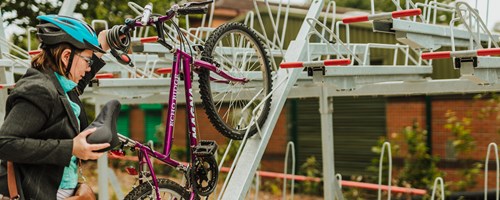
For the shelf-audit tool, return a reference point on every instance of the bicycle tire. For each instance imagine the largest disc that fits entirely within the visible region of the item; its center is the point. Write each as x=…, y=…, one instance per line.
x=224, y=120
x=145, y=190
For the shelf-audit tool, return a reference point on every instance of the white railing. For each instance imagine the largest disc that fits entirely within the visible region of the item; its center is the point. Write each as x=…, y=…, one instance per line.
x=253, y=121
x=471, y=20
x=278, y=41
x=336, y=47
x=438, y=181
x=290, y=147
x=492, y=147
x=387, y=146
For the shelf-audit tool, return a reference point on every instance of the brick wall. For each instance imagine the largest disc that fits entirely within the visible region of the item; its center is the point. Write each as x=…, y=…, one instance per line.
x=137, y=130
x=400, y=112
x=403, y=111
x=484, y=131
x=275, y=151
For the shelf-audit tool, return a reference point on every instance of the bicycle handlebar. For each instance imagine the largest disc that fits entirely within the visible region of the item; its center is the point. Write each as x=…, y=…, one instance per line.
x=198, y=3
x=194, y=10
x=119, y=37
x=146, y=14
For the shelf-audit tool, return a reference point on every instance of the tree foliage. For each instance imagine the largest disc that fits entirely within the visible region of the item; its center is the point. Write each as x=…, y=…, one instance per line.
x=115, y=12
x=24, y=13
x=419, y=169
x=464, y=145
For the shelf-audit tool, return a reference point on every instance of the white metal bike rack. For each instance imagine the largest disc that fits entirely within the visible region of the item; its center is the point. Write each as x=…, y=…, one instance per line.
x=254, y=148
x=290, y=147
x=492, y=147
x=438, y=181
x=409, y=78
x=385, y=146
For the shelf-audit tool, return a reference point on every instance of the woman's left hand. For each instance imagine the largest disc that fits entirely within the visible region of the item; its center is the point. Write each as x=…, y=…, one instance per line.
x=103, y=42
x=85, y=151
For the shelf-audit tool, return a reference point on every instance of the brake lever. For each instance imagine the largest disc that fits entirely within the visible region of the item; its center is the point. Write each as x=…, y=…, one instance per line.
x=122, y=57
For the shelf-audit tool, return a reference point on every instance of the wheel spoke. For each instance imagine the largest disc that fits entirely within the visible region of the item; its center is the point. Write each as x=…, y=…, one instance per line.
x=238, y=50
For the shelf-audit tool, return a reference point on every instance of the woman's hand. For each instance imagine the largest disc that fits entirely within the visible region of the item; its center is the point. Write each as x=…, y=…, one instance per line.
x=84, y=150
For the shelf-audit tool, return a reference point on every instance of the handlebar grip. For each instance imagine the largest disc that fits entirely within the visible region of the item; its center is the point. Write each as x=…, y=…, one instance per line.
x=192, y=10
x=198, y=3
x=146, y=14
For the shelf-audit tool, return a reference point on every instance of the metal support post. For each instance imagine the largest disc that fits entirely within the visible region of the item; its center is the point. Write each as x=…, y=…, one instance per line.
x=68, y=8
x=102, y=179
x=102, y=167
x=115, y=184
x=4, y=48
x=3, y=94
x=254, y=149
x=331, y=188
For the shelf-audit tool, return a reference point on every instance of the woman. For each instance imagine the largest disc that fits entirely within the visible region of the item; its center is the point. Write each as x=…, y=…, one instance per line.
x=44, y=116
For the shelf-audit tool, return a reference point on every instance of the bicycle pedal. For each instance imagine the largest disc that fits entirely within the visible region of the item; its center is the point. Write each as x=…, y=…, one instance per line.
x=197, y=47
x=131, y=171
x=117, y=153
x=205, y=148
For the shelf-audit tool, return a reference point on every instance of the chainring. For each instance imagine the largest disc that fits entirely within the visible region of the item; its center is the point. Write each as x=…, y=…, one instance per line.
x=204, y=175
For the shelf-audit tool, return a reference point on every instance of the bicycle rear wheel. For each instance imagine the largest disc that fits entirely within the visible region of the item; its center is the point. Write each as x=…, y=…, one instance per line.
x=168, y=190
x=238, y=51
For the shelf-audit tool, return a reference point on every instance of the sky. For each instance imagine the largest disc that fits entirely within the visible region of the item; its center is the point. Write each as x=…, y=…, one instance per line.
x=494, y=15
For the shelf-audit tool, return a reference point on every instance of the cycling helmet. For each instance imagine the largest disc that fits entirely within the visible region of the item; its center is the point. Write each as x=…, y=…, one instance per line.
x=55, y=29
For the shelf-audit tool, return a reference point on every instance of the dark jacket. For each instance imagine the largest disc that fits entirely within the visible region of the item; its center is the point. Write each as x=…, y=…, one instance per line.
x=38, y=131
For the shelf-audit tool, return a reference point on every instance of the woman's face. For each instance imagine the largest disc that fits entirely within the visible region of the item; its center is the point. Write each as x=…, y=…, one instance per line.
x=81, y=65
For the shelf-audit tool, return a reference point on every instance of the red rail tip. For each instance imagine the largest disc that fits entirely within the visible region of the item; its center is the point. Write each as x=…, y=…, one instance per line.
x=105, y=75
x=406, y=13
x=488, y=52
x=349, y=20
x=291, y=65
x=149, y=39
x=337, y=62
x=164, y=71
x=436, y=55
x=34, y=52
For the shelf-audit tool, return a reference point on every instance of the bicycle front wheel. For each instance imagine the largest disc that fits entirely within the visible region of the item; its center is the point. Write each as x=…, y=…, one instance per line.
x=168, y=190
x=237, y=50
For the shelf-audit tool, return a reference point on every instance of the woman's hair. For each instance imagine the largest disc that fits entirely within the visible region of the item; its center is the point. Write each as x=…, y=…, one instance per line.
x=43, y=60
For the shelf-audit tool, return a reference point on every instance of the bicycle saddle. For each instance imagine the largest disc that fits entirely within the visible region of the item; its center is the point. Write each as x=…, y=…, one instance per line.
x=105, y=123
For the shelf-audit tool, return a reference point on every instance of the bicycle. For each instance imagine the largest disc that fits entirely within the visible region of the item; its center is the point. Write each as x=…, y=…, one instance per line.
x=219, y=77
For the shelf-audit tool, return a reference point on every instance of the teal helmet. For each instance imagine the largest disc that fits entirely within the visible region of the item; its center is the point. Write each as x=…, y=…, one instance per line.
x=55, y=29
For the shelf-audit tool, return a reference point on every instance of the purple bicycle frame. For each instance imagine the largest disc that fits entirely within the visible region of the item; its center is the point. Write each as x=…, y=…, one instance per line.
x=181, y=58
x=186, y=60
